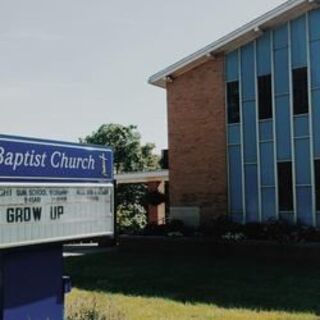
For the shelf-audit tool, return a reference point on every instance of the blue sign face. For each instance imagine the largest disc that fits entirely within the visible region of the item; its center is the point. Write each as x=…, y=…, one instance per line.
x=23, y=159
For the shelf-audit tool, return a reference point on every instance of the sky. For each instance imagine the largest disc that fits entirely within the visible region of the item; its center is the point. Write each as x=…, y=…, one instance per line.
x=68, y=66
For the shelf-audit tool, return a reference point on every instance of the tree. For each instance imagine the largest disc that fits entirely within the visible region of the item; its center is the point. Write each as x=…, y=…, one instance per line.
x=129, y=156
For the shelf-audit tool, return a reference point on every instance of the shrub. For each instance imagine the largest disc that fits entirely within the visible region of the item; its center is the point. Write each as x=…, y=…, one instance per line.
x=256, y=231
x=281, y=231
x=177, y=228
x=171, y=228
x=233, y=236
x=176, y=225
x=221, y=226
x=309, y=234
x=131, y=218
x=153, y=229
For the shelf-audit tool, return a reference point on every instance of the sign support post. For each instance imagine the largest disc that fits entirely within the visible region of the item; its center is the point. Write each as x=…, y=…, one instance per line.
x=32, y=284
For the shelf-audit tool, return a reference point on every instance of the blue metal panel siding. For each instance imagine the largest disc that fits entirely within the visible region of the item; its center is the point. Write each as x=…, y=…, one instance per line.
x=283, y=128
x=235, y=179
x=247, y=77
x=280, y=37
x=299, y=42
x=301, y=126
x=303, y=169
x=282, y=117
x=304, y=205
x=237, y=217
x=267, y=164
x=266, y=130
x=268, y=201
x=315, y=63
x=250, y=139
x=287, y=216
x=281, y=76
x=314, y=26
x=252, y=192
x=232, y=67
x=314, y=19
x=266, y=134
x=263, y=55
x=318, y=219
x=234, y=134
x=316, y=121
x=248, y=86
x=234, y=148
x=281, y=62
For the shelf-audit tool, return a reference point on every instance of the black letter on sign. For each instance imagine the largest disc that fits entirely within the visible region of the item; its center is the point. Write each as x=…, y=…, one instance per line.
x=27, y=214
x=36, y=213
x=19, y=215
x=10, y=215
x=56, y=212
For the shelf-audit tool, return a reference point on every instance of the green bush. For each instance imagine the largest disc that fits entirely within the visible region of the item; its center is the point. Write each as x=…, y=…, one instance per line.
x=221, y=226
x=273, y=230
x=170, y=228
x=131, y=218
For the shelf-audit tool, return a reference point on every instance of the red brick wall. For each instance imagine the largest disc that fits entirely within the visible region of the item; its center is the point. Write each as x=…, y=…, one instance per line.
x=157, y=214
x=197, y=139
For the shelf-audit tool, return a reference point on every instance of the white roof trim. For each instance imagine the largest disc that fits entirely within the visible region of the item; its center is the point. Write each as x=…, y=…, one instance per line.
x=142, y=177
x=284, y=11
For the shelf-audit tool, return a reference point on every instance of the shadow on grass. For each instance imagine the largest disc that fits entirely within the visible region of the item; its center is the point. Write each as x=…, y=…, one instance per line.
x=190, y=276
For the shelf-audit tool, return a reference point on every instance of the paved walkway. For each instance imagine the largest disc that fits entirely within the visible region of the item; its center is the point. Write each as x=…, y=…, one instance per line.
x=74, y=250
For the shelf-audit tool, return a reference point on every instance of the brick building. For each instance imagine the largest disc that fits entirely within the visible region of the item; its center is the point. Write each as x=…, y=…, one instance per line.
x=243, y=118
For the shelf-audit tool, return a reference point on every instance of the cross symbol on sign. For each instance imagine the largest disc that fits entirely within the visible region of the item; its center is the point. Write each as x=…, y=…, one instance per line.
x=104, y=166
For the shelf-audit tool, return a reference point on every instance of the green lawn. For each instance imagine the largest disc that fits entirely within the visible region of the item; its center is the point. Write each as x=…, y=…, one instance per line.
x=183, y=284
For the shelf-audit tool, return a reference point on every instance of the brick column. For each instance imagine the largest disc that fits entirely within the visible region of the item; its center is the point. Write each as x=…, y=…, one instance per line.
x=156, y=214
x=197, y=143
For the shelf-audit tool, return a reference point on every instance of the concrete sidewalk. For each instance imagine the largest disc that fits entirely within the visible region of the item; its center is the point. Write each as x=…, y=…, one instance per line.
x=74, y=250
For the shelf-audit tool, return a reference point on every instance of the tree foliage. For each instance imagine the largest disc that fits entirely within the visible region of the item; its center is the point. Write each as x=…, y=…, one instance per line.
x=129, y=154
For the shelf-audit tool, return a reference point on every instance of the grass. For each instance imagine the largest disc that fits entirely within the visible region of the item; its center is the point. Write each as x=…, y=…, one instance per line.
x=189, y=285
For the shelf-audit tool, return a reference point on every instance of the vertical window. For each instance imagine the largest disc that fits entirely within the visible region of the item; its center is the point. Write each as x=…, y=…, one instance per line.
x=300, y=90
x=317, y=182
x=265, y=97
x=285, y=186
x=164, y=161
x=233, y=102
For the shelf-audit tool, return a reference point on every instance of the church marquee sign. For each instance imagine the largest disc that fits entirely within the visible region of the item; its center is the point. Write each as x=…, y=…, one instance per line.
x=54, y=191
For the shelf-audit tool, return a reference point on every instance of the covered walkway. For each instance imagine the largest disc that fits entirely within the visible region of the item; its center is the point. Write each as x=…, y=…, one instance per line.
x=155, y=181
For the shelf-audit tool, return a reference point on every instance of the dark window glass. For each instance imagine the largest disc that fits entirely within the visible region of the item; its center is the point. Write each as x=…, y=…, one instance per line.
x=164, y=161
x=285, y=186
x=317, y=182
x=265, y=97
x=300, y=90
x=233, y=102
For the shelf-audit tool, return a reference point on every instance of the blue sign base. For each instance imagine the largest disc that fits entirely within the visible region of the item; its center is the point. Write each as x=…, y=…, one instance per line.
x=31, y=284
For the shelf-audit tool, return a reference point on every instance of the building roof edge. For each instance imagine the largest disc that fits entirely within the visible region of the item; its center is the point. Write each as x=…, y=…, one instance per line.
x=243, y=34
